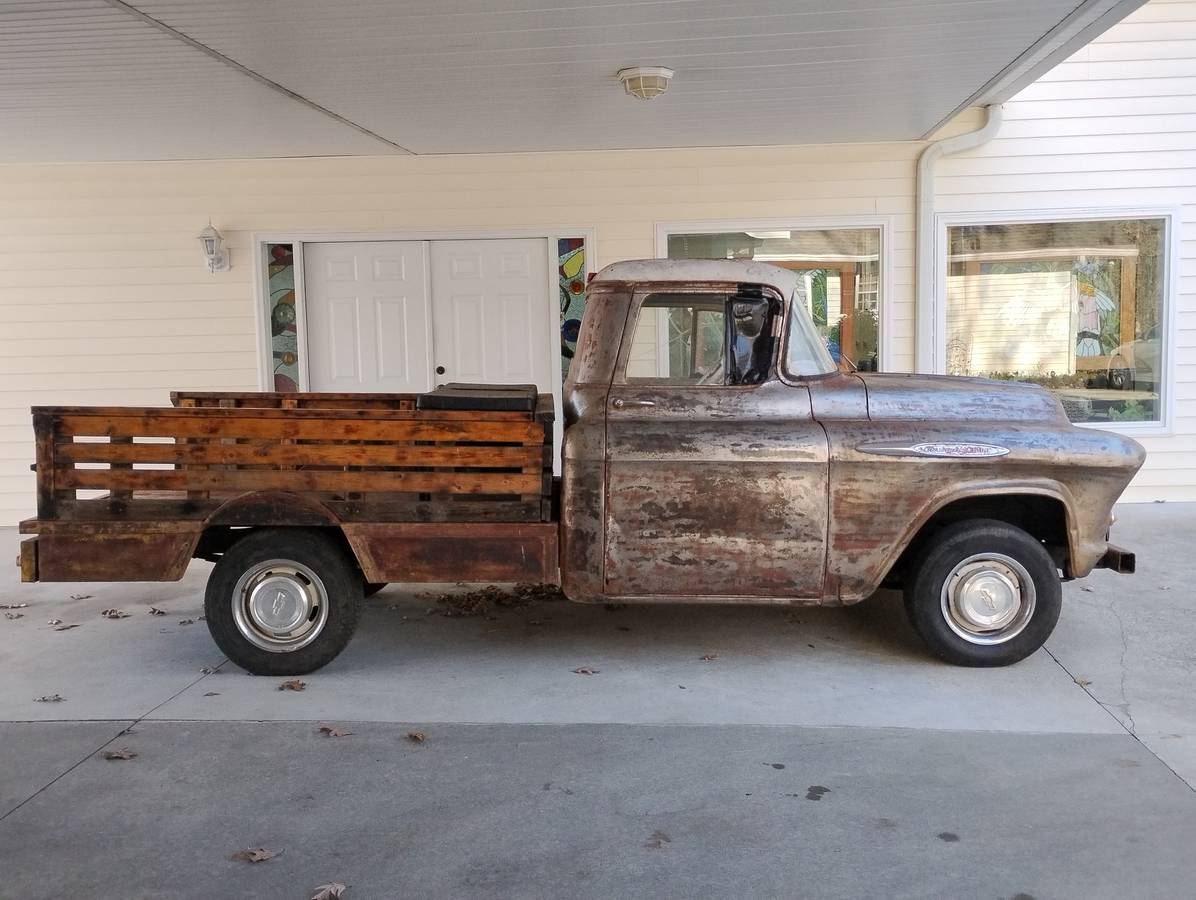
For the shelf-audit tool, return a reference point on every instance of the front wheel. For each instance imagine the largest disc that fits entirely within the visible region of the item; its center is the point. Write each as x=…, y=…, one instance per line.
x=983, y=593
x=283, y=601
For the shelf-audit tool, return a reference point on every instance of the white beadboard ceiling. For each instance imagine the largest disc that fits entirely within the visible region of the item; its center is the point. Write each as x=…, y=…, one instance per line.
x=98, y=80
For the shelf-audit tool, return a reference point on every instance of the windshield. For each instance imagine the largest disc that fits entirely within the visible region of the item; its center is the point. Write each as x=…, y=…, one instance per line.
x=805, y=352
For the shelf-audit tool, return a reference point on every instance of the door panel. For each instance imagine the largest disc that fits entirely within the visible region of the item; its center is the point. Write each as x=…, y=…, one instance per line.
x=368, y=327
x=711, y=490
x=490, y=313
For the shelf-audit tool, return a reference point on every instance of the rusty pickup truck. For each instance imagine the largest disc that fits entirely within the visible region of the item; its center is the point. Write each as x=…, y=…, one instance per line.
x=713, y=453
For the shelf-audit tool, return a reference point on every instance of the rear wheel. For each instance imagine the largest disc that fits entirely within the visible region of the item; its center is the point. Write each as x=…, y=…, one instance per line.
x=283, y=601
x=983, y=593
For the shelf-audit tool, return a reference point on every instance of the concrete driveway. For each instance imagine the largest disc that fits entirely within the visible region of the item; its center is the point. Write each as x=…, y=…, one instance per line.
x=819, y=753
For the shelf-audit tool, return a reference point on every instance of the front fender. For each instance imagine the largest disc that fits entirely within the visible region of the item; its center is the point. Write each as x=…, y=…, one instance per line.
x=879, y=501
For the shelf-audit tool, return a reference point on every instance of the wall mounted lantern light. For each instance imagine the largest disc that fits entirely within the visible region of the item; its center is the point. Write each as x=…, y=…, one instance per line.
x=215, y=257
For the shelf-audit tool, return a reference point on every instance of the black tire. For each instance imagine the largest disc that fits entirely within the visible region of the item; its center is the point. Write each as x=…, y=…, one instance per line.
x=336, y=614
x=928, y=607
x=372, y=587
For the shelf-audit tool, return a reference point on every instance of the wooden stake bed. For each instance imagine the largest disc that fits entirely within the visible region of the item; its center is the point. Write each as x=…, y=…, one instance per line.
x=126, y=493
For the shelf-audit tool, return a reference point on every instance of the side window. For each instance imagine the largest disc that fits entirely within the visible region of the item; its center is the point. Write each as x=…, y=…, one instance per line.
x=701, y=339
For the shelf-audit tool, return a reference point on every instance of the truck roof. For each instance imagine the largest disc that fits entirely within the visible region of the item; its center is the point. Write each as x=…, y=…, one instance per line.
x=743, y=271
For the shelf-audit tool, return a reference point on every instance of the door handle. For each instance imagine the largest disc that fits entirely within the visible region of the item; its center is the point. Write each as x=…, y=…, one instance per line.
x=620, y=403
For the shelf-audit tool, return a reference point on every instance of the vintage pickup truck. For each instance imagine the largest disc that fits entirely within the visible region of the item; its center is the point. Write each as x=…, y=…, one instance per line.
x=712, y=453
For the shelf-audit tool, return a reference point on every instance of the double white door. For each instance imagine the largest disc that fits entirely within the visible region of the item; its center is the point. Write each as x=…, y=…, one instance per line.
x=403, y=316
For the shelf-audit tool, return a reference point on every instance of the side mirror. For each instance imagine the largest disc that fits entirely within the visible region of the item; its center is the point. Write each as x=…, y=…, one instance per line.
x=749, y=339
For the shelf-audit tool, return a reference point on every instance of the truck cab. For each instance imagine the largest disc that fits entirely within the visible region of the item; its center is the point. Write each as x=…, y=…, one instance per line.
x=715, y=453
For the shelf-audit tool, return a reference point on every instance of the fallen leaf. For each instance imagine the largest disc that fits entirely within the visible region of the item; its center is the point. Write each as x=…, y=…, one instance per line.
x=49, y=698
x=708, y=657
x=122, y=753
x=1086, y=590
x=485, y=600
x=293, y=685
x=586, y=670
x=207, y=670
x=54, y=622
x=254, y=854
x=154, y=611
x=81, y=596
x=66, y=627
x=816, y=792
x=212, y=694
x=13, y=605
x=416, y=737
x=1082, y=682
x=186, y=621
x=329, y=891
x=657, y=840
x=14, y=615
x=333, y=731
x=114, y=613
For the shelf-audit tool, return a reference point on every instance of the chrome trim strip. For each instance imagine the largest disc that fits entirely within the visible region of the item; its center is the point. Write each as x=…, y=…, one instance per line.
x=935, y=449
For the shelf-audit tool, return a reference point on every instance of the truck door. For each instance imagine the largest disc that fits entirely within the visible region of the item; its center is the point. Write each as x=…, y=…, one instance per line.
x=716, y=472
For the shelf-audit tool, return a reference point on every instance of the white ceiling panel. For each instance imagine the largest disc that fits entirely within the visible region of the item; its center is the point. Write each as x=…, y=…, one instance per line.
x=81, y=81
x=96, y=79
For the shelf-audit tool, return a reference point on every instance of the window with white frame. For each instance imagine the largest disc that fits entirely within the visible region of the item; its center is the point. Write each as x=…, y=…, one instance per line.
x=839, y=278
x=1073, y=305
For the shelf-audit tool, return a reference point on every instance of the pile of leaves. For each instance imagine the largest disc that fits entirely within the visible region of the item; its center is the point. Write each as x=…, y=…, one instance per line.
x=490, y=598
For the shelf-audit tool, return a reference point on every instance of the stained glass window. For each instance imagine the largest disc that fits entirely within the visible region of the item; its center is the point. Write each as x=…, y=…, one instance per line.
x=284, y=339
x=571, y=262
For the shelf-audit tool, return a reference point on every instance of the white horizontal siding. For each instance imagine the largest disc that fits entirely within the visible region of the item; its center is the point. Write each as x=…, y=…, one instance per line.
x=1114, y=126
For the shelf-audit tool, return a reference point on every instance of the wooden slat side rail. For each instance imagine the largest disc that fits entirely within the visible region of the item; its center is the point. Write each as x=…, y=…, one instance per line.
x=298, y=424
x=261, y=452
x=395, y=465
x=305, y=400
x=299, y=400
x=464, y=481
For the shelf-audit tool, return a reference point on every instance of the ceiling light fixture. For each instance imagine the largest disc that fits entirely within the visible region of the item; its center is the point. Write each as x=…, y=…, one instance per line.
x=645, y=82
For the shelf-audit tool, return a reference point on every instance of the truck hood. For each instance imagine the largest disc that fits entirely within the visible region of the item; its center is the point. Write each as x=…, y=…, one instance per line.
x=948, y=397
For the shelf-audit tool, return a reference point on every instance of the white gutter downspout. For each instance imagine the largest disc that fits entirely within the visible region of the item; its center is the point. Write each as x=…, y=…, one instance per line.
x=931, y=314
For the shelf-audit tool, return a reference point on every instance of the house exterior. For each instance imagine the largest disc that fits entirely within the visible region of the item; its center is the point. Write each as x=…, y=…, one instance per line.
x=1065, y=253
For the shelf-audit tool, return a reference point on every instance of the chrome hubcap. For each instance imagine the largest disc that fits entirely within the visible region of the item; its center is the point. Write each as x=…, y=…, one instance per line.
x=988, y=598
x=280, y=605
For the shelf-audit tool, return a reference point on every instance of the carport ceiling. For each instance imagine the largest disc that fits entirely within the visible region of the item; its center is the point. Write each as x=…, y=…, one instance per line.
x=85, y=80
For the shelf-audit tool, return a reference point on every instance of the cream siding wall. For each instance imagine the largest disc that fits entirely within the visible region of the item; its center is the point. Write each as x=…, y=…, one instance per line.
x=1113, y=127
x=104, y=299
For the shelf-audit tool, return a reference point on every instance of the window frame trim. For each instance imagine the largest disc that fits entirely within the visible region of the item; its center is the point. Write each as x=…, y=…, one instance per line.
x=884, y=223
x=640, y=294
x=932, y=314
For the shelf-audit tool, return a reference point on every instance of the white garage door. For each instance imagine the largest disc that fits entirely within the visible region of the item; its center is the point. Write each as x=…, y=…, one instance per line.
x=402, y=316
x=367, y=316
x=489, y=312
